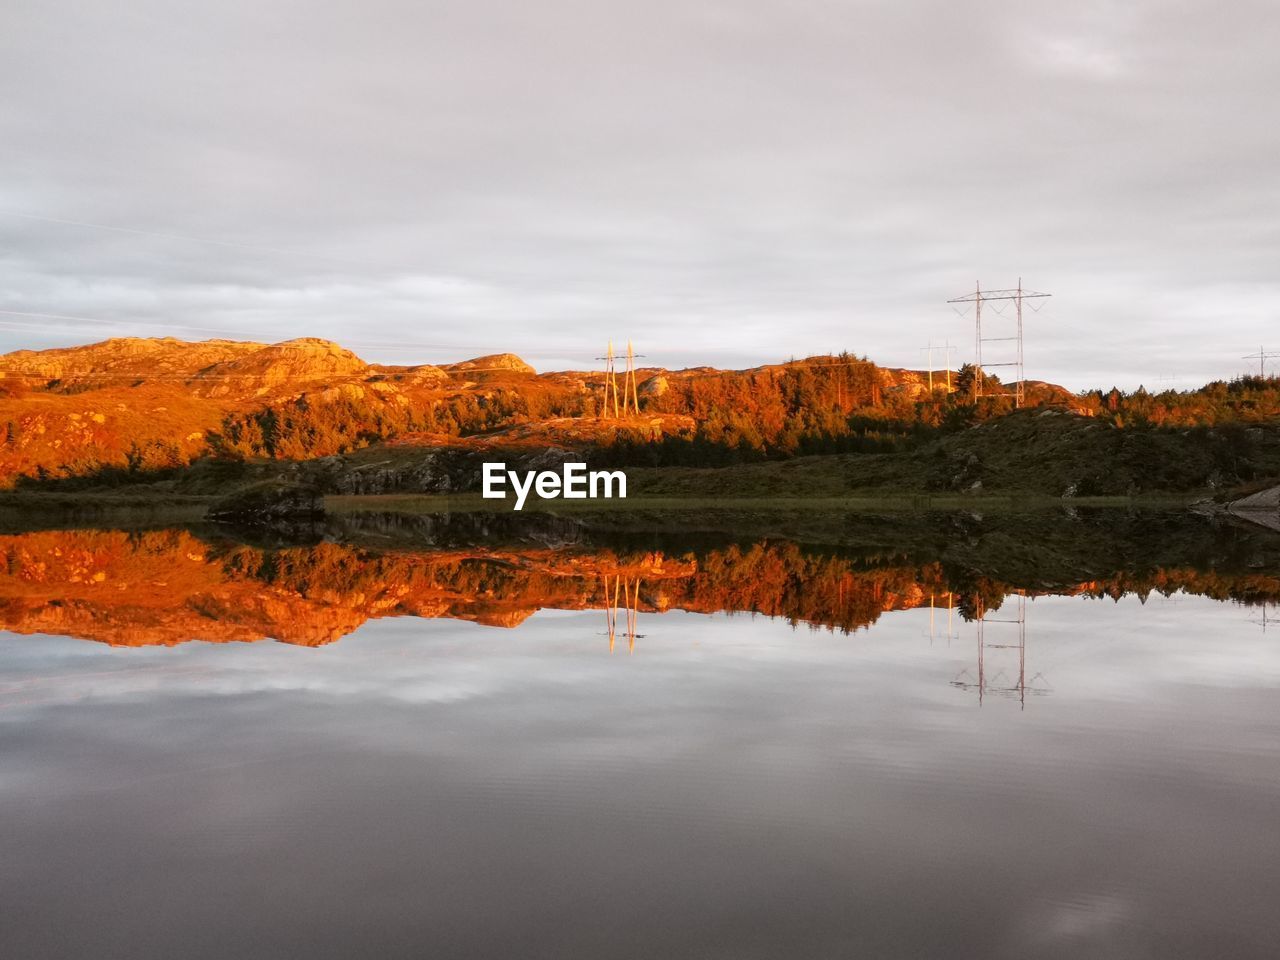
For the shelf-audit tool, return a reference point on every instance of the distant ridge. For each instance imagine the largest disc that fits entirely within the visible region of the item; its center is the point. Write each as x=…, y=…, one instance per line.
x=140, y=406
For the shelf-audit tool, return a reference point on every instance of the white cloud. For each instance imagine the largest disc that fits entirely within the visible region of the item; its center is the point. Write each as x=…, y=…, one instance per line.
x=731, y=184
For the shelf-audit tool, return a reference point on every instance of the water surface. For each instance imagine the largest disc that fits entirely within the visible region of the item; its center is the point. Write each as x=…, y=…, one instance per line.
x=469, y=752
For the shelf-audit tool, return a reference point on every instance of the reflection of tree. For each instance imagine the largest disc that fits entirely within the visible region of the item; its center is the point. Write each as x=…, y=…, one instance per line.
x=167, y=586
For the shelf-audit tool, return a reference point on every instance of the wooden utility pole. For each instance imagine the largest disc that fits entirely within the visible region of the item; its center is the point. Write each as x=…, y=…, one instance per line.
x=629, y=391
x=610, y=381
x=630, y=401
x=947, y=349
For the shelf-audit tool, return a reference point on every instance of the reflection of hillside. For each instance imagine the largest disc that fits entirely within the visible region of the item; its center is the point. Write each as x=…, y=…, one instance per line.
x=169, y=586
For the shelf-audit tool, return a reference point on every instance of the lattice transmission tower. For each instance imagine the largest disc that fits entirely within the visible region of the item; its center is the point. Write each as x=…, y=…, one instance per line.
x=1017, y=297
x=1262, y=356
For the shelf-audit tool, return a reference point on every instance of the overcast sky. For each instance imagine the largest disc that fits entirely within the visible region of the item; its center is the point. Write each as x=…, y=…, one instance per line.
x=726, y=182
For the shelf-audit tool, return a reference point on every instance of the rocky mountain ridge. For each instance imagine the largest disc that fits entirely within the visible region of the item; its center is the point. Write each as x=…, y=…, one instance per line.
x=138, y=404
x=247, y=369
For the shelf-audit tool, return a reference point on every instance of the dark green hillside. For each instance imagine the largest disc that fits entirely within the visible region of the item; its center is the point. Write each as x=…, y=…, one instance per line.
x=1035, y=452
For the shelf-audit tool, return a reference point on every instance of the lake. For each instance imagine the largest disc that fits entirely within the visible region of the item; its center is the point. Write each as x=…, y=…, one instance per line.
x=444, y=739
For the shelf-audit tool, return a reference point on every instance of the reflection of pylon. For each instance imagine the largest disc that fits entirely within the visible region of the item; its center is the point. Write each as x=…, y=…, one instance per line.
x=1264, y=620
x=949, y=635
x=630, y=595
x=985, y=684
x=630, y=395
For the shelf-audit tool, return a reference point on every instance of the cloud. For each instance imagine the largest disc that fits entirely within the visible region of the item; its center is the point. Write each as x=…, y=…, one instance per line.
x=724, y=183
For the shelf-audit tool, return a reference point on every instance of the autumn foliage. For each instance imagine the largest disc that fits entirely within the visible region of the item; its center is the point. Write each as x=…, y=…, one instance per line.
x=129, y=408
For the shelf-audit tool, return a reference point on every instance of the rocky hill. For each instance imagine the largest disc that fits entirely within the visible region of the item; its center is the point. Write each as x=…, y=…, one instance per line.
x=126, y=410
x=121, y=359
x=136, y=406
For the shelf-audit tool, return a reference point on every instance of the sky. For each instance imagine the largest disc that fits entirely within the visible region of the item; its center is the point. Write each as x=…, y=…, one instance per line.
x=728, y=183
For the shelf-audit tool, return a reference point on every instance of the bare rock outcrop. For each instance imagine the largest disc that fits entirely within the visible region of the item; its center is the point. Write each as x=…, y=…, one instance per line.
x=491, y=362
x=1262, y=507
x=269, y=502
x=294, y=363
x=655, y=386
x=122, y=358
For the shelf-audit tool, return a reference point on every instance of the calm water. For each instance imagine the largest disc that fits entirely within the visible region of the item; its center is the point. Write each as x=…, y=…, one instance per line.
x=715, y=785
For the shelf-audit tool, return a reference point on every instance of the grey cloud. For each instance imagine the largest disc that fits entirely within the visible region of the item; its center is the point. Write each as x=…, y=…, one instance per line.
x=730, y=183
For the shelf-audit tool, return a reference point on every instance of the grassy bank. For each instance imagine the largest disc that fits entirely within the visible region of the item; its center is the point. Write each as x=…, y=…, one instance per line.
x=31, y=511
x=1029, y=459
x=148, y=507
x=421, y=504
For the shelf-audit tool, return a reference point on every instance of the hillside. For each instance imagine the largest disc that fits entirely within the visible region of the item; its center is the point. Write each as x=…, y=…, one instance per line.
x=1047, y=452
x=144, y=405
x=140, y=411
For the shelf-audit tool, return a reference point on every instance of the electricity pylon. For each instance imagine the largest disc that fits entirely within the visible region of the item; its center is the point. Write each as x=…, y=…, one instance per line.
x=1017, y=295
x=628, y=399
